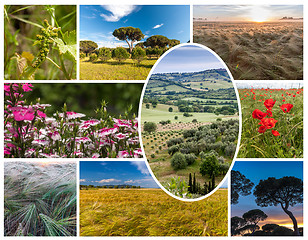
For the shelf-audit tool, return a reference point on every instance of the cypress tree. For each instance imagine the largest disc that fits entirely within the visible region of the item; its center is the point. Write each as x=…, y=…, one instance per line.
x=194, y=188
x=213, y=181
x=205, y=189
x=190, y=184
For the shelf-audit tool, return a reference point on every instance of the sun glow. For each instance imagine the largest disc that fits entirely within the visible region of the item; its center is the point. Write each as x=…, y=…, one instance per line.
x=259, y=14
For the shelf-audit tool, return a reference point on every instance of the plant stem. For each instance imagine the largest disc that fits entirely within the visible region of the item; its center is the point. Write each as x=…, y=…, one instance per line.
x=53, y=62
x=63, y=68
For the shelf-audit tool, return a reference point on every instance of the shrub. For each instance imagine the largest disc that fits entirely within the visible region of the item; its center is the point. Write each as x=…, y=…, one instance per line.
x=176, y=117
x=194, y=121
x=150, y=127
x=173, y=149
x=138, y=54
x=190, y=158
x=93, y=57
x=152, y=155
x=104, y=53
x=82, y=55
x=178, y=161
x=120, y=54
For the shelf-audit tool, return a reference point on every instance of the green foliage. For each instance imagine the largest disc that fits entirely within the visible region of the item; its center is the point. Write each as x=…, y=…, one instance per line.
x=82, y=55
x=190, y=158
x=178, y=161
x=150, y=127
x=120, y=54
x=93, y=57
x=178, y=188
x=26, y=49
x=104, y=53
x=128, y=34
x=85, y=98
x=87, y=46
x=157, y=41
x=138, y=54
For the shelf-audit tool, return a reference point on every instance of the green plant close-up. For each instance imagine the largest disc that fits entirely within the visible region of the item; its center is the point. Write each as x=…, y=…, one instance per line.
x=39, y=199
x=40, y=42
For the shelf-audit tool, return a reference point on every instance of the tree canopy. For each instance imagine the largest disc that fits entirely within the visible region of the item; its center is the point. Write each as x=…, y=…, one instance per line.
x=254, y=216
x=157, y=41
x=128, y=34
x=285, y=191
x=87, y=46
x=240, y=185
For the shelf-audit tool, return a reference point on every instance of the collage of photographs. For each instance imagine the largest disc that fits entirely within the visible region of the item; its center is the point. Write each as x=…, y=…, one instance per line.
x=152, y=120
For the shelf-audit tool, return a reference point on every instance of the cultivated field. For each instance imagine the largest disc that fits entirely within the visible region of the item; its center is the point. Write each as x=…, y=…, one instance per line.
x=256, y=51
x=285, y=117
x=111, y=70
x=151, y=212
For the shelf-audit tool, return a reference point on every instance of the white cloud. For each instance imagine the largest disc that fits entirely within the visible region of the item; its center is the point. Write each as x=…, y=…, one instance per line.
x=141, y=166
x=158, y=26
x=82, y=180
x=110, y=180
x=117, y=12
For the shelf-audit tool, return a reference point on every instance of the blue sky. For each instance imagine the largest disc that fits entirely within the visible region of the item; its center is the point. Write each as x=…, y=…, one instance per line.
x=101, y=173
x=246, y=12
x=257, y=170
x=189, y=58
x=97, y=22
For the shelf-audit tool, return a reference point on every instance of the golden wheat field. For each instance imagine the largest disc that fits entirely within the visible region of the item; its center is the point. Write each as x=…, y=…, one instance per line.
x=255, y=51
x=151, y=212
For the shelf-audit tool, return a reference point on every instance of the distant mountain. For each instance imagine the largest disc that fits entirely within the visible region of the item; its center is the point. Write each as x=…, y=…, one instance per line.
x=206, y=75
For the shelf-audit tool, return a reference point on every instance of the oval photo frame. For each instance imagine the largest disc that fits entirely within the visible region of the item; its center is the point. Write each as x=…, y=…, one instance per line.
x=239, y=121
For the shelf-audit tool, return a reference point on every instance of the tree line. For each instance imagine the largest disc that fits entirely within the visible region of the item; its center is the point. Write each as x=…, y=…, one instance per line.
x=152, y=47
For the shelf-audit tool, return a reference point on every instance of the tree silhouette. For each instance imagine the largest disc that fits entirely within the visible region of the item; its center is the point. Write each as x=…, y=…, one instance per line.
x=240, y=185
x=254, y=217
x=236, y=224
x=128, y=34
x=286, y=192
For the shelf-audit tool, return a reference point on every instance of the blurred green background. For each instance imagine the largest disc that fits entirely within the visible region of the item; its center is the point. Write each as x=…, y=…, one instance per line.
x=20, y=33
x=87, y=97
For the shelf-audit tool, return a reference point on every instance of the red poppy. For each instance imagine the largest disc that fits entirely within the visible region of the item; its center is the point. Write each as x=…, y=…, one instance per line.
x=269, y=103
x=286, y=107
x=269, y=112
x=258, y=114
x=262, y=129
x=268, y=122
x=275, y=133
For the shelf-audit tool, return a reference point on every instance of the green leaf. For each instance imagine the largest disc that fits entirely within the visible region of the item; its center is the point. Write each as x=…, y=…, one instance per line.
x=68, y=44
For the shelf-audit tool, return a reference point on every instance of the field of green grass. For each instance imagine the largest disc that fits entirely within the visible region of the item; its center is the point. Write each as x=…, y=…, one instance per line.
x=161, y=113
x=209, y=84
x=113, y=70
x=151, y=212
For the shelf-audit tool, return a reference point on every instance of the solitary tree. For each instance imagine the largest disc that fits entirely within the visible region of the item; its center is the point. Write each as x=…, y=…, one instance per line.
x=128, y=34
x=254, y=217
x=210, y=166
x=240, y=185
x=87, y=46
x=286, y=192
x=150, y=127
x=170, y=109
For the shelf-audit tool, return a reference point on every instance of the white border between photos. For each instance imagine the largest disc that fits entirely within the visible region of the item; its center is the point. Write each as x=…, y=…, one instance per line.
x=137, y=2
